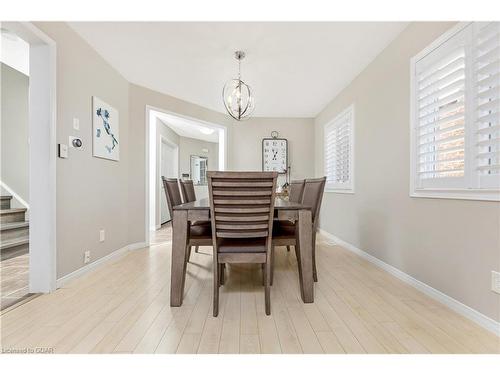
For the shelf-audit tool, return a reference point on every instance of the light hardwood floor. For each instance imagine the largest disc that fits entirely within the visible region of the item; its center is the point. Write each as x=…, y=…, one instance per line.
x=14, y=274
x=124, y=308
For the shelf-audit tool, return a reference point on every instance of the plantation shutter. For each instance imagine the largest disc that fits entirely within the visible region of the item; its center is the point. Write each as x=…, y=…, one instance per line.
x=440, y=115
x=486, y=68
x=338, y=151
x=456, y=114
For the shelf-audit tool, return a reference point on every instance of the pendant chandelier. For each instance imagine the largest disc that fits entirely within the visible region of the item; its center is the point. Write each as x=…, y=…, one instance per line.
x=237, y=95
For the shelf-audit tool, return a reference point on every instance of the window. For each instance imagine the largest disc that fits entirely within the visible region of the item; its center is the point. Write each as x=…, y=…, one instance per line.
x=455, y=119
x=339, y=152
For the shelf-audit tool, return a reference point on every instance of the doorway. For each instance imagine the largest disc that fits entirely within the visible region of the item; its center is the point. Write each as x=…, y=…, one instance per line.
x=169, y=156
x=167, y=133
x=30, y=214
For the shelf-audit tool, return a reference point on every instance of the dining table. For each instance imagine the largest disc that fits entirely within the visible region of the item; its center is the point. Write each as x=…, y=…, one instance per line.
x=199, y=210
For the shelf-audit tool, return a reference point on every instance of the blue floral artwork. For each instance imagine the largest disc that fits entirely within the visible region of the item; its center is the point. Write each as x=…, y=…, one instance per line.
x=106, y=130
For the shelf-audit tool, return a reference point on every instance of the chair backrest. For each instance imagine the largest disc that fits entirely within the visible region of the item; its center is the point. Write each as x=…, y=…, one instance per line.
x=296, y=190
x=188, y=191
x=313, y=195
x=242, y=204
x=173, y=193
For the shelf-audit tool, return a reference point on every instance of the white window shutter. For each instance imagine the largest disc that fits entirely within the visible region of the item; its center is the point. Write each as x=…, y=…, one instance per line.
x=456, y=115
x=440, y=115
x=486, y=71
x=338, y=152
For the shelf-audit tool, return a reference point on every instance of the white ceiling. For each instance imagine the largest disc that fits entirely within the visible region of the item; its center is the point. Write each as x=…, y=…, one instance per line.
x=295, y=69
x=15, y=51
x=188, y=128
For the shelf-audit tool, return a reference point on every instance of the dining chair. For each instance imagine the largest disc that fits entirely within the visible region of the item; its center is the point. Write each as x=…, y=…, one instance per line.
x=199, y=235
x=285, y=233
x=295, y=195
x=296, y=191
x=187, y=188
x=241, y=209
x=189, y=195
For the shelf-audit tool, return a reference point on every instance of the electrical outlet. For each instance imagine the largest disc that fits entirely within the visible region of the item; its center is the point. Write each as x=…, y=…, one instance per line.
x=495, y=281
x=102, y=235
x=86, y=257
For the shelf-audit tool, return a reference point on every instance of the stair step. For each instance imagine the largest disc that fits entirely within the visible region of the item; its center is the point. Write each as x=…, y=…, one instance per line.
x=14, y=247
x=7, y=211
x=7, y=244
x=5, y=201
x=11, y=215
x=15, y=225
x=14, y=230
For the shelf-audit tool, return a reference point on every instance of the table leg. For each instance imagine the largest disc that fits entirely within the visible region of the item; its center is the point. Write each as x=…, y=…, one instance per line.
x=179, y=243
x=305, y=244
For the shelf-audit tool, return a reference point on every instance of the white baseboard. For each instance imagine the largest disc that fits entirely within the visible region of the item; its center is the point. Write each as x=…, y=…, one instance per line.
x=98, y=263
x=464, y=310
x=137, y=246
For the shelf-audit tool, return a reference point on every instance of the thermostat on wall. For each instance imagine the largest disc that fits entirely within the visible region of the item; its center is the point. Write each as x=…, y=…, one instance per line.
x=62, y=151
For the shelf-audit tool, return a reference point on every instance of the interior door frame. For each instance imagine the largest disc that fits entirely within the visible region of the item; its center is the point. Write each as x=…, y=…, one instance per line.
x=42, y=158
x=150, y=153
x=162, y=142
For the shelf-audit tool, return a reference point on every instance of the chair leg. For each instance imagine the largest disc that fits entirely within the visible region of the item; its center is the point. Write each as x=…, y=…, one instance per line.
x=196, y=249
x=216, y=290
x=288, y=248
x=315, y=272
x=222, y=269
x=267, y=287
x=272, y=265
x=263, y=268
x=189, y=253
x=299, y=265
x=186, y=257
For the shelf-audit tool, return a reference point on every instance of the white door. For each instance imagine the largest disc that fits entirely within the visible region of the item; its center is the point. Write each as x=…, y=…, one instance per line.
x=167, y=169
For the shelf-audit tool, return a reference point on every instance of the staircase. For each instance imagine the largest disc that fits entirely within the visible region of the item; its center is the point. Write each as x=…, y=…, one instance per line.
x=14, y=229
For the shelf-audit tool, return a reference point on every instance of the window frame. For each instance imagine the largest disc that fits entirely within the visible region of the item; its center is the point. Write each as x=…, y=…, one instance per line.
x=483, y=194
x=348, y=187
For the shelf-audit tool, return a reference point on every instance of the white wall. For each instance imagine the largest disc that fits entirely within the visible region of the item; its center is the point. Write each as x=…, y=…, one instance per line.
x=191, y=146
x=245, y=146
x=14, y=132
x=451, y=245
x=92, y=193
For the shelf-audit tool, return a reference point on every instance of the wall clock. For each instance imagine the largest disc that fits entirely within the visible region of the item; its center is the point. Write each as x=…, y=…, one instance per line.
x=274, y=154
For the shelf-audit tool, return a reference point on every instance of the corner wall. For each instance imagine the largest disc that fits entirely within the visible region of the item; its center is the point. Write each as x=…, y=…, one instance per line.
x=451, y=245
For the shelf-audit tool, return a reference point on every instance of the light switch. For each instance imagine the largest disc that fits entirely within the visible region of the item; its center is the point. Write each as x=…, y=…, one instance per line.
x=76, y=123
x=62, y=150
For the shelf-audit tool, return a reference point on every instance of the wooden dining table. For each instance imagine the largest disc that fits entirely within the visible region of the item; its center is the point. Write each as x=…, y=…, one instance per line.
x=200, y=210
